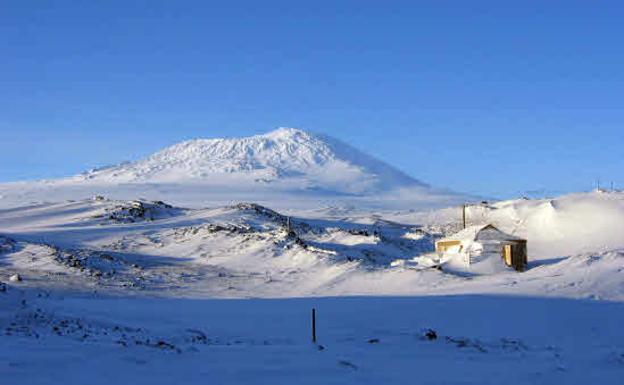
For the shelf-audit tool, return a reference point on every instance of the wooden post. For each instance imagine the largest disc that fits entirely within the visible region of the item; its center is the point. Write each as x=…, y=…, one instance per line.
x=313, y=325
x=464, y=215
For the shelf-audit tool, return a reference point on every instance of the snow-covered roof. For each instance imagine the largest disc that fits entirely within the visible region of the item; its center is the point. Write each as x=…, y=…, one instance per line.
x=475, y=232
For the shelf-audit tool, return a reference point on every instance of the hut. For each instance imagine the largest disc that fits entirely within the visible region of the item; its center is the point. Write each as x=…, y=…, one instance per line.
x=477, y=244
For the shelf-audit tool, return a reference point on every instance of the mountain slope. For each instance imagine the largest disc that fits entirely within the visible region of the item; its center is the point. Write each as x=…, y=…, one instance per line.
x=287, y=168
x=286, y=155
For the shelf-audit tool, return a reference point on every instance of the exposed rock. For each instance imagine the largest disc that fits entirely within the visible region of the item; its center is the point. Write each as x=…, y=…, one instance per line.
x=264, y=211
x=430, y=334
x=138, y=210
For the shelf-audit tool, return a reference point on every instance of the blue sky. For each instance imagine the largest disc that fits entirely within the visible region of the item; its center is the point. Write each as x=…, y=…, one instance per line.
x=487, y=97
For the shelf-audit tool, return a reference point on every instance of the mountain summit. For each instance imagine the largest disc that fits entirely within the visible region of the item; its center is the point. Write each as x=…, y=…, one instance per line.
x=286, y=168
x=287, y=157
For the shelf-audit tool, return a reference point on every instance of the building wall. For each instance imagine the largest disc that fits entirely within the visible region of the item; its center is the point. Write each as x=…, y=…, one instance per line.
x=444, y=246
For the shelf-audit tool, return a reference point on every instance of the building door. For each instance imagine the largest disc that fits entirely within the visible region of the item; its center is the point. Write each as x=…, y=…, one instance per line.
x=507, y=255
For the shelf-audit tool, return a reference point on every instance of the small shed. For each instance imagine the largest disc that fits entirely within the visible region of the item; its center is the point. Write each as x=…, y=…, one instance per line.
x=479, y=243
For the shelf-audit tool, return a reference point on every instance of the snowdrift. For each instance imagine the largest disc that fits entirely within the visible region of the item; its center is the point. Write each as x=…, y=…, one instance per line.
x=571, y=224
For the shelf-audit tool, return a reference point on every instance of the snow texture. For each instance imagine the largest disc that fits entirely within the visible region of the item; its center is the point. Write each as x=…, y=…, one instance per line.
x=116, y=286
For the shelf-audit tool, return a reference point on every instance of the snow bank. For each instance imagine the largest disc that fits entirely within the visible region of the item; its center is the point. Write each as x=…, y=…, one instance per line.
x=568, y=225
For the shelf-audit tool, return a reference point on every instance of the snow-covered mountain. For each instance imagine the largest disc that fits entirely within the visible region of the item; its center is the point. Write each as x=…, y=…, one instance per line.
x=285, y=168
x=286, y=155
x=82, y=281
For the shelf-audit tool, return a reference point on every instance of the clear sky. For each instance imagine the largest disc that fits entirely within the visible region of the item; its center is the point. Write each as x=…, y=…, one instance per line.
x=487, y=97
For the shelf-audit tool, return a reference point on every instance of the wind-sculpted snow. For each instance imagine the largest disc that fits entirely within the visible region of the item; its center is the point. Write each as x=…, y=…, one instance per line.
x=249, y=249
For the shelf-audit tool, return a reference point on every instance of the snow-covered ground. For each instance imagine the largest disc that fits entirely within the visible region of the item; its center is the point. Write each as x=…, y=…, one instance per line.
x=361, y=340
x=101, y=282
x=143, y=292
x=248, y=250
